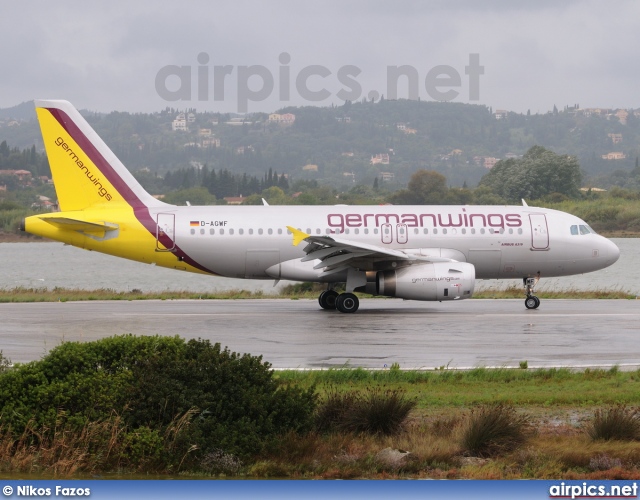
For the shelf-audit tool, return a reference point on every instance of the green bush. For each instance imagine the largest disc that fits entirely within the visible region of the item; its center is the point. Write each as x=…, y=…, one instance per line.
x=222, y=400
x=142, y=445
x=617, y=422
x=493, y=429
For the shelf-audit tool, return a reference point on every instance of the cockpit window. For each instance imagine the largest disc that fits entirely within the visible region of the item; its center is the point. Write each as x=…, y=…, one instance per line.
x=584, y=229
x=591, y=229
x=574, y=229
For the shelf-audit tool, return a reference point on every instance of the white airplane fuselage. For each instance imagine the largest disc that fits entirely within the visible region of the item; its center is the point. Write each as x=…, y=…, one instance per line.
x=410, y=252
x=500, y=241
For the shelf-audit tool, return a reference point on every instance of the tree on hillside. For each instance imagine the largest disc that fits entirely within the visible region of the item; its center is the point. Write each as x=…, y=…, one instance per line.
x=426, y=187
x=538, y=173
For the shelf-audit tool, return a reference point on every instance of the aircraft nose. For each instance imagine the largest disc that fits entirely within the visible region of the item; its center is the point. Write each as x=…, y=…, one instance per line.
x=613, y=252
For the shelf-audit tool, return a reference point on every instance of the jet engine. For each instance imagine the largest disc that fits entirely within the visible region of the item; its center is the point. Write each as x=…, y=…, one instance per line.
x=429, y=281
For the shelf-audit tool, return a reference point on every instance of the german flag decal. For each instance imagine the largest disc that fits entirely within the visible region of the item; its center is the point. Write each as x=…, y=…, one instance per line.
x=194, y=223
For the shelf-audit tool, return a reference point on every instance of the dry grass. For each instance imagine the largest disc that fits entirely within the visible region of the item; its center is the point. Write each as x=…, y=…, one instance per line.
x=96, y=447
x=63, y=453
x=560, y=449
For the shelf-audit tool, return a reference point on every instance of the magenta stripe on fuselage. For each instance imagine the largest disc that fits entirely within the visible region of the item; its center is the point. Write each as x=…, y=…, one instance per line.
x=96, y=157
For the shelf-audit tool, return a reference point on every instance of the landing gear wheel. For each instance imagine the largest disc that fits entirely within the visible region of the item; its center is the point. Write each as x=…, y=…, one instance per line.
x=532, y=302
x=327, y=299
x=347, y=303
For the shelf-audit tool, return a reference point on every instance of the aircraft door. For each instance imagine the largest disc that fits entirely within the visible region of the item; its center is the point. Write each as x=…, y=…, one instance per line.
x=539, y=232
x=165, y=232
x=386, y=233
x=402, y=233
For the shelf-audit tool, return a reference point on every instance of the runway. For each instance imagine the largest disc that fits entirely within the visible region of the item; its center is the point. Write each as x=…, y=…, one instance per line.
x=298, y=334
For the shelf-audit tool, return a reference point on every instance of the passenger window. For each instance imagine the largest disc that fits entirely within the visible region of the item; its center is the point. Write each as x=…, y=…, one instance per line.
x=356, y=231
x=212, y=231
x=260, y=231
x=193, y=231
x=574, y=230
x=270, y=231
x=375, y=230
x=416, y=231
x=435, y=231
x=444, y=231
x=280, y=231
x=328, y=231
x=426, y=231
x=230, y=231
x=318, y=231
x=250, y=231
x=510, y=230
x=464, y=231
x=240, y=231
x=221, y=231
x=481, y=230
x=473, y=230
x=583, y=229
x=519, y=230
x=366, y=230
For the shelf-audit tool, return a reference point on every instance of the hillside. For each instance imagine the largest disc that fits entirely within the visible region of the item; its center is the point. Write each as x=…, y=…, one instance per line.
x=336, y=145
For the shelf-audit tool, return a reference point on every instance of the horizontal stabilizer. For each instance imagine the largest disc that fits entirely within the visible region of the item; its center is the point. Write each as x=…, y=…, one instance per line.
x=80, y=225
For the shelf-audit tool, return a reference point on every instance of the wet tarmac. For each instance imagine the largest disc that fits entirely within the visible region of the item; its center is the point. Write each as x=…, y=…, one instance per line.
x=298, y=334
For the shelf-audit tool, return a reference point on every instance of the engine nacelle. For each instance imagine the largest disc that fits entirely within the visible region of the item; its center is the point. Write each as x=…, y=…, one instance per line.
x=429, y=281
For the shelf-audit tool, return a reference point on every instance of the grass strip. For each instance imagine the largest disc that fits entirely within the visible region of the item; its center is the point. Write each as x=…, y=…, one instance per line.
x=60, y=294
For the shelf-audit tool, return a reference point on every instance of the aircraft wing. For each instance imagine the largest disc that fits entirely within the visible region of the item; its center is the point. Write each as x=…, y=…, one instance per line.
x=338, y=254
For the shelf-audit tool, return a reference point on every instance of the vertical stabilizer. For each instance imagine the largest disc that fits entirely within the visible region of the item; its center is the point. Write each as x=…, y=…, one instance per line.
x=85, y=171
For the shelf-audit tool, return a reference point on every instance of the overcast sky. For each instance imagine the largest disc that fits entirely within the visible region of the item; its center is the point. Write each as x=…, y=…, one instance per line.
x=124, y=55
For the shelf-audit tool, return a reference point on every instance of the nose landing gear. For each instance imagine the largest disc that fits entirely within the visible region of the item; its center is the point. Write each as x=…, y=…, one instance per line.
x=531, y=302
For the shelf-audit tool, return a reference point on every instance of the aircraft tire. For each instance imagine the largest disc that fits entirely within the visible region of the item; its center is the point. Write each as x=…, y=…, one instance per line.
x=532, y=302
x=327, y=299
x=347, y=303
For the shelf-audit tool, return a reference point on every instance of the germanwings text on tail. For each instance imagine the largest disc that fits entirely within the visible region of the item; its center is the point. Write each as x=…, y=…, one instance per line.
x=409, y=252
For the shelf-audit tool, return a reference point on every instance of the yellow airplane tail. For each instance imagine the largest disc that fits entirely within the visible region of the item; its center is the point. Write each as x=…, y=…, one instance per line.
x=102, y=206
x=86, y=173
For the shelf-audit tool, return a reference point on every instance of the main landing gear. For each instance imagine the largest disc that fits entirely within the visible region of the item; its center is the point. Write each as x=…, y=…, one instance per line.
x=343, y=302
x=531, y=302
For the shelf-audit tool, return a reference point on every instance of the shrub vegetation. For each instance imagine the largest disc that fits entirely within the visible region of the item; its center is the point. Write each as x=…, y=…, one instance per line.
x=618, y=422
x=493, y=429
x=374, y=410
x=198, y=397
